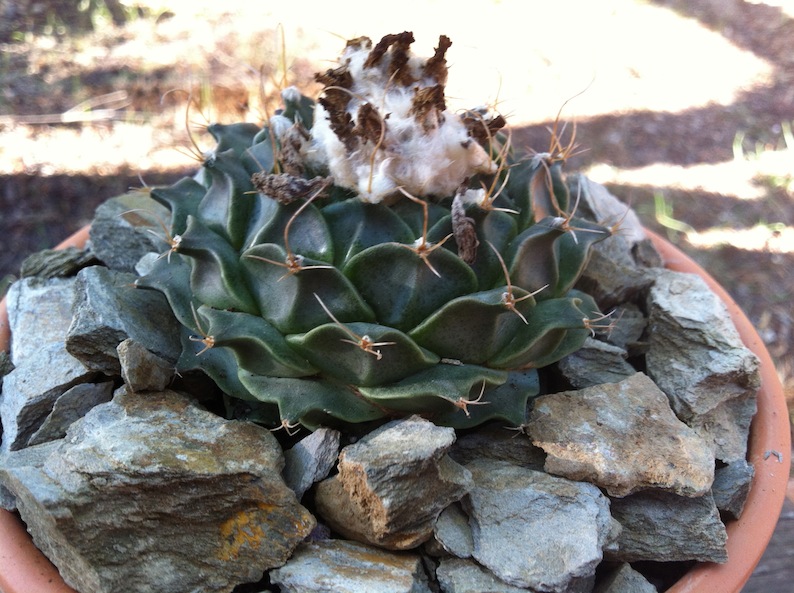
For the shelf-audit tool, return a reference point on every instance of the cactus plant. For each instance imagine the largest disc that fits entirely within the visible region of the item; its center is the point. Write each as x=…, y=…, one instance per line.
x=375, y=254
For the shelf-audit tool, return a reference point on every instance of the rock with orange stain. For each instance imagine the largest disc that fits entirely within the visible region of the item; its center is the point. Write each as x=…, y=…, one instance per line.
x=149, y=492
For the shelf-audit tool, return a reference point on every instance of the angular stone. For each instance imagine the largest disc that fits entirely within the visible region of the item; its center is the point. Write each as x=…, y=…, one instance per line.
x=537, y=531
x=6, y=366
x=622, y=437
x=664, y=527
x=311, y=460
x=393, y=484
x=609, y=279
x=31, y=330
x=142, y=370
x=108, y=310
x=598, y=204
x=465, y=576
x=53, y=263
x=338, y=565
x=125, y=228
x=595, y=363
x=494, y=441
x=731, y=487
x=30, y=456
x=32, y=388
x=612, y=275
x=697, y=358
x=70, y=407
x=727, y=427
x=188, y=501
x=453, y=533
x=628, y=326
x=625, y=580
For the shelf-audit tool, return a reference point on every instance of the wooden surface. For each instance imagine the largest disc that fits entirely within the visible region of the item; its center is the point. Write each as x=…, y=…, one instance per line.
x=775, y=572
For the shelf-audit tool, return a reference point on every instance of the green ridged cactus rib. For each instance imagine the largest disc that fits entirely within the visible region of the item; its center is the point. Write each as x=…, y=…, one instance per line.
x=375, y=255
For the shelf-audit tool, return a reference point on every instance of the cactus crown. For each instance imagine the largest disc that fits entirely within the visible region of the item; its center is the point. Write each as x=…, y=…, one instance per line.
x=374, y=254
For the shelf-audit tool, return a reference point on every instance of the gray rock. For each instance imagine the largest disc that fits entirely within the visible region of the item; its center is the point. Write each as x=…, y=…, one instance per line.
x=731, y=487
x=628, y=326
x=151, y=493
x=311, y=460
x=560, y=527
x=126, y=227
x=349, y=567
x=70, y=407
x=393, y=484
x=464, y=576
x=142, y=370
x=494, y=441
x=612, y=276
x=664, y=527
x=622, y=437
x=625, y=580
x=108, y=310
x=30, y=456
x=453, y=533
x=696, y=357
x=595, y=363
x=597, y=204
x=52, y=263
x=32, y=388
x=31, y=330
x=6, y=366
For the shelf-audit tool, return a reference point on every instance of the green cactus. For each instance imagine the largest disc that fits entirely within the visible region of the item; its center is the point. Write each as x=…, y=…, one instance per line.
x=375, y=255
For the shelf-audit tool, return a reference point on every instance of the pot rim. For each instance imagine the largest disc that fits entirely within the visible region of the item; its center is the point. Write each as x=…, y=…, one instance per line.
x=26, y=569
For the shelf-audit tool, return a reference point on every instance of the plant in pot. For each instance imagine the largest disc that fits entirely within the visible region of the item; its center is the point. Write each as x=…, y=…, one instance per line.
x=367, y=345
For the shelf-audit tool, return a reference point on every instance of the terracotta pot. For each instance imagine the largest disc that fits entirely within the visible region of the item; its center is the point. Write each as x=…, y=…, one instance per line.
x=24, y=569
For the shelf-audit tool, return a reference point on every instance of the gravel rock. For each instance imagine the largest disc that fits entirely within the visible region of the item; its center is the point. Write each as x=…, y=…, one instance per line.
x=30, y=329
x=664, y=527
x=142, y=370
x=696, y=357
x=125, y=228
x=612, y=276
x=595, y=363
x=453, y=533
x=731, y=487
x=151, y=493
x=311, y=460
x=349, y=567
x=70, y=407
x=53, y=263
x=393, y=484
x=31, y=390
x=465, y=576
x=108, y=310
x=625, y=580
x=494, y=441
x=560, y=527
x=623, y=437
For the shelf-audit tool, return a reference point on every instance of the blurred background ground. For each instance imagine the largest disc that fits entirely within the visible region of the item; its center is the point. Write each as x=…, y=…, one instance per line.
x=683, y=108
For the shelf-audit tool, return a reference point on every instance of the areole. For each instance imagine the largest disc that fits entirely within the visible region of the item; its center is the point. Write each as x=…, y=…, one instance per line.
x=24, y=569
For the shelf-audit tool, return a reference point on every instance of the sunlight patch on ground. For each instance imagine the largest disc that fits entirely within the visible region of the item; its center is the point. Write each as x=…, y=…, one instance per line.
x=768, y=238
x=90, y=149
x=746, y=177
x=529, y=57
x=526, y=58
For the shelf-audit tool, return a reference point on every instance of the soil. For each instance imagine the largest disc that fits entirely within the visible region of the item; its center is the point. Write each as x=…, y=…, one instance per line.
x=49, y=65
